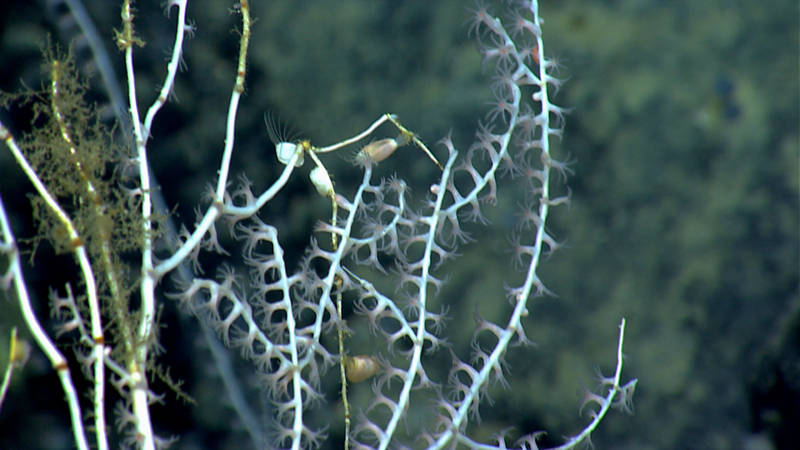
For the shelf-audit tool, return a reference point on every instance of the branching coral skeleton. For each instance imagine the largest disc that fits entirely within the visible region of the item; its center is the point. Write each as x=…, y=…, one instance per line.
x=281, y=318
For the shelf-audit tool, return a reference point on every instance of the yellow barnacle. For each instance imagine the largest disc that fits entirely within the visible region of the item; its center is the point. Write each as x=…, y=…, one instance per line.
x=20, y=350
x=359, y=368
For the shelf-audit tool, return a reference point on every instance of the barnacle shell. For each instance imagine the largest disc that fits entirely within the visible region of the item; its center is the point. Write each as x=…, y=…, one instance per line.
x=322, y=181
x=359, y=368
x=379, y=150
x=285, y=151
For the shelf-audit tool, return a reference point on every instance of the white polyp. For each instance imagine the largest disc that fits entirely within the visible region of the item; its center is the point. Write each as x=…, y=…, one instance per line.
x=285, y=151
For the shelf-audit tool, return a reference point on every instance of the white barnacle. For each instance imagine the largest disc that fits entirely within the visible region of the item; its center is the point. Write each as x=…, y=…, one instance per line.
x=322, y=181
x=284, y=148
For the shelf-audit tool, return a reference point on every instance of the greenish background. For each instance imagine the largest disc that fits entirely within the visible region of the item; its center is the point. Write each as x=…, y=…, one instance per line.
x=683, y=133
